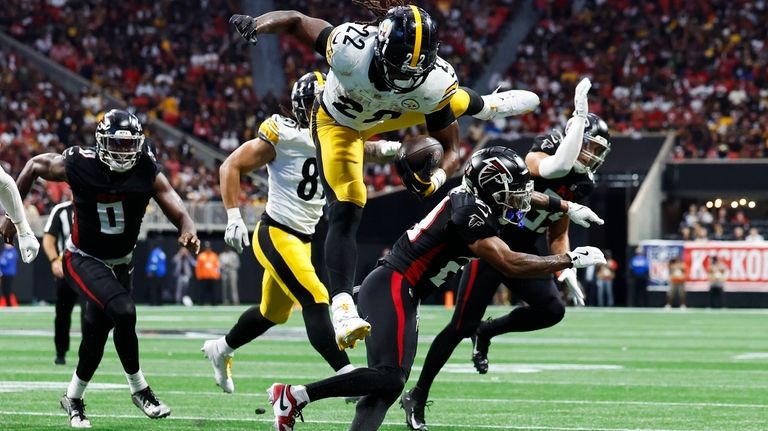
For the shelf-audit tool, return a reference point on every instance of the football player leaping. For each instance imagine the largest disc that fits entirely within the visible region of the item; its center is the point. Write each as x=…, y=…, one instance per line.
x=111, y=186
x=465, y=224
x=281, y=240
x=382, y=77
x=561, y=166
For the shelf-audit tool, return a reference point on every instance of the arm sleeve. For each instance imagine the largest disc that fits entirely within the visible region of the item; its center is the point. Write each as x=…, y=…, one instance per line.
x=11, y=201
x=322, y=40
x=559, y=164
x=440, y=119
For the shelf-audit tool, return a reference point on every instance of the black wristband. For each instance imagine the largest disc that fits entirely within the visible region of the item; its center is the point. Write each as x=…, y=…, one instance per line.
x=554, y=205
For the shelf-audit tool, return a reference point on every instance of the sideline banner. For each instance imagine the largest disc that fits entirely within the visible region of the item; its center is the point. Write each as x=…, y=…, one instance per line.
x=747, y=263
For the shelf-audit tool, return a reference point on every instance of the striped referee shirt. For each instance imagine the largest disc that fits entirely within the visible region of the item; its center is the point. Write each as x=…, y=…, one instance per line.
x=59, y=224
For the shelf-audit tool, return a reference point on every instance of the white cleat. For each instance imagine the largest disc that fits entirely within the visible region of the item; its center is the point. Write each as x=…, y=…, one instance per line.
x=75, y=408
x=349, y=327
x=222, y=365
x=507, y=103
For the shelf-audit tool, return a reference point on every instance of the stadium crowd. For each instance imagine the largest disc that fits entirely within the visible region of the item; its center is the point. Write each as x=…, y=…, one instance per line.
x=698, y=67
x=701, y=223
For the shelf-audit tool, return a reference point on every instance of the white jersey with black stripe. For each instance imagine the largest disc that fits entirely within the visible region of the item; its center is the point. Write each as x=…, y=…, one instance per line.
x=295, y=198
x=354, y=101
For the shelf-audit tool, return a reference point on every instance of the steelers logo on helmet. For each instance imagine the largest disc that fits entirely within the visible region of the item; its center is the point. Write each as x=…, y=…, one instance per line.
x=595, y=146
x=406, y=48
x=119, y=140
x=303, y=96
x=500, y=178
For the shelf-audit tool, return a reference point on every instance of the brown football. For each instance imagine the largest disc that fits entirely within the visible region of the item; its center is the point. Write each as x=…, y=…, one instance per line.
x=417, y=150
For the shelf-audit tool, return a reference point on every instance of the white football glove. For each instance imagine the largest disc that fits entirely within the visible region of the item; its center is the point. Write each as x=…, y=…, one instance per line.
x=387, y=148
x=28, y=246
x=580, y=102
x=582, y=257
x=568, y=276
x=236, y=234
x=582, y=216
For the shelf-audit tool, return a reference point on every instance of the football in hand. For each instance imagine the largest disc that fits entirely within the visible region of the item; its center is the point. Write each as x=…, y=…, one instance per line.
x=418, y=150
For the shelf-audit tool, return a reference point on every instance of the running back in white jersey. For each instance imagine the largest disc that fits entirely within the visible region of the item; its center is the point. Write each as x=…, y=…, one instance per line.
x=353, y=100
x=296, y=196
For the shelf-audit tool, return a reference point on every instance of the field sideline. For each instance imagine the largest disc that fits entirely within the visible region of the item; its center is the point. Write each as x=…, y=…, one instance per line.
x=599, y=370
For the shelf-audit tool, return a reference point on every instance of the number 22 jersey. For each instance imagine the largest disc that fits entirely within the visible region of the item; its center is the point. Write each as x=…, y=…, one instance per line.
x=350, y=95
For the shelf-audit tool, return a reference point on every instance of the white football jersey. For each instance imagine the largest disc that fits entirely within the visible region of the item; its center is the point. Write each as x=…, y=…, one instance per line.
x=353, y=100
x=295, y=198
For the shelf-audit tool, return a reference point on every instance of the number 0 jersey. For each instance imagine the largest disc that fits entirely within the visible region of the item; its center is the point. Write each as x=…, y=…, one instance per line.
x=435, y=249
x=295, y=197
x=108, y=206
x=351, y=97
x=572, y=187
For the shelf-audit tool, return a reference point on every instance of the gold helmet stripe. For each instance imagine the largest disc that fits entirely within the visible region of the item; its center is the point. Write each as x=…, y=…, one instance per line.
x=320, y=80
x=419, y=31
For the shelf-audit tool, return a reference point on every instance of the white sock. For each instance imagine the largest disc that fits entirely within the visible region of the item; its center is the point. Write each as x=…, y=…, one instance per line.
x=136, y=381
x=341, y=298
x=224, y=348
x=76, y=387
x=299, y=392
x=345, y=369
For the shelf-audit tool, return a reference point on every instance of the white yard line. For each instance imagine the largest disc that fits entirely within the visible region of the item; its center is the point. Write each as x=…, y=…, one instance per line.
x=309, y=422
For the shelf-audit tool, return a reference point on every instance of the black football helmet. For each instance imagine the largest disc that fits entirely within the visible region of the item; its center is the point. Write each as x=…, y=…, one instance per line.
x=596, y=145
x=406, y=47
x=500, y=178
x=303, y=96
x=119, y=140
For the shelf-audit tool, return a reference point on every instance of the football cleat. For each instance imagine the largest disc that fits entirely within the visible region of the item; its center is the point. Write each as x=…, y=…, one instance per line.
x=349, y=327
x=507, y=103
x=480, y=346
x=222, y=365
x=75, y=408
x=414, y=411
x=148, y=403
x=60, y=360
x=284, y=406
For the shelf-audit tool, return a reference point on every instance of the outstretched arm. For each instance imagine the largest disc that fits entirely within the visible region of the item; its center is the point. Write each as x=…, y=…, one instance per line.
x=304, y=28
x=50, y=166
x=174, y=209
x=249, y=156
x=512, y=264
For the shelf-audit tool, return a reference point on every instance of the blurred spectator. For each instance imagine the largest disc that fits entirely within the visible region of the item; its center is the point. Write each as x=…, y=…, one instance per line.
x=691, y=218
x=230, y=266
x=183, y=267
x=156, y=270
x=700, y=233
x=718, y=233
x=685, y=233
x=740, y=219
x=738, y=234
x=8, y=260
x=705, y=217
x=639, y=272
x=606, y=273
x=208, y=274
x=718, y=274
x=677, y=274
x=754, y=235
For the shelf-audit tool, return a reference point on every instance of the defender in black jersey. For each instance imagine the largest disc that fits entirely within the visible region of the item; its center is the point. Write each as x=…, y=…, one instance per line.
x=464, y=225
x=112, y=185
x=562, y=166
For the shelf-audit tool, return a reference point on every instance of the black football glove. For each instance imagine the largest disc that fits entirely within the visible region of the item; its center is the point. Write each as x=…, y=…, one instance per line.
x=419, y=182
x=246, y=26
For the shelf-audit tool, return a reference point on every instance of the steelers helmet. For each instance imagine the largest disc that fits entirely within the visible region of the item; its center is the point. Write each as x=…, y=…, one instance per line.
x=303, y=96
x=406, y=47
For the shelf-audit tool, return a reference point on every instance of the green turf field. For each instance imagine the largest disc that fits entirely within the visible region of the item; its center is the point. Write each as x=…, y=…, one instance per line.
x=598, y=370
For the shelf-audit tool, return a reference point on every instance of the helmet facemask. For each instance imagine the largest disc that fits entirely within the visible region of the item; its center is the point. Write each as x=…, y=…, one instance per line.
x=594, y=149
x=303, y=96
x=121, y=150
x=514, y=204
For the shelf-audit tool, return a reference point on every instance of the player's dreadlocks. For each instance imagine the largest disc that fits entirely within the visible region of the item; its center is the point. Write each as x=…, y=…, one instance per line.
x=379, y=8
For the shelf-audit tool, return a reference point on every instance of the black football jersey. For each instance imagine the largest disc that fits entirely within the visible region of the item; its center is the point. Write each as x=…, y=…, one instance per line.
x=434, y=249
x=109, y=206
x=572, y=187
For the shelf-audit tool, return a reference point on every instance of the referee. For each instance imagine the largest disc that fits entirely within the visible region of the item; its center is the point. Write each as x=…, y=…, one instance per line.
x=57, y=231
